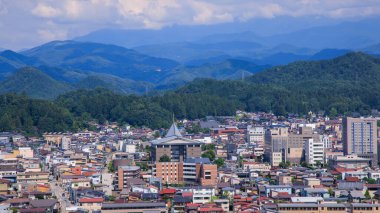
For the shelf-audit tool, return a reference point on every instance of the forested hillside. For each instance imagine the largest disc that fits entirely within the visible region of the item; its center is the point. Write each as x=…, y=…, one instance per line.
x=347, y=84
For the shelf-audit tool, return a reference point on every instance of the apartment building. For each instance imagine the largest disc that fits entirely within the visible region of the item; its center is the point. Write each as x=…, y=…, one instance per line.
x=314, y=151
x=125, y=172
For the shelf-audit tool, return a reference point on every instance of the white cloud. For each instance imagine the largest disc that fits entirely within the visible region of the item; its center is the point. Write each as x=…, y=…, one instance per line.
x=45, y=11
x=75, y=17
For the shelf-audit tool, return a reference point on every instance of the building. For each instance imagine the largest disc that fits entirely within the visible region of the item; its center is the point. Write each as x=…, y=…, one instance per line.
x=176, y=147
x=311, y=207
x=276, y=143
x=201, y=194
x=314, y=151
x=135, y=207
x=192, y=170
x=125, y=172
x=33, y=177
x=66, y=142
x=255, y=135
x=360, y=137
x=296, y=141
x=26, y=152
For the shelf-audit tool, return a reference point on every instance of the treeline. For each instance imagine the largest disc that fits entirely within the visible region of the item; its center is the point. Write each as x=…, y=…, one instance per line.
x=343, y=85
x=347, y=84
x=22, y=114
x=73, y=110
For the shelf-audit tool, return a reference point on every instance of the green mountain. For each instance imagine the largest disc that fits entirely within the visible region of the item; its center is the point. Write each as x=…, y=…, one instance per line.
x=345, y=84
x=113, y=83
x=228, y=69
x=33, y=83
x=101, y=58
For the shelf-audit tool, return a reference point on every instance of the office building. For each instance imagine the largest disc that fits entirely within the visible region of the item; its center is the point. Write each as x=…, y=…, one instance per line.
x=192, y=170
x=360, y=137
x=175, y=146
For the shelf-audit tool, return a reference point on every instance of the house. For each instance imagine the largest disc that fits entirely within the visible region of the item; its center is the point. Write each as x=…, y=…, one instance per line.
x=91, y=204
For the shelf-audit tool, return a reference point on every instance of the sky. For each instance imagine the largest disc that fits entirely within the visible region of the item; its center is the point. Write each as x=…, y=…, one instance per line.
x=27, y=23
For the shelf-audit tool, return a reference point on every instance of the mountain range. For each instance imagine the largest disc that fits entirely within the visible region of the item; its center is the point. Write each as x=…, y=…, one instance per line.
x=71, y=65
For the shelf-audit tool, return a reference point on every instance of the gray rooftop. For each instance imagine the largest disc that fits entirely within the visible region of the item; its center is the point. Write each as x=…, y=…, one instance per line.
x=133, y=205
x=198, y=160
x=173, y=131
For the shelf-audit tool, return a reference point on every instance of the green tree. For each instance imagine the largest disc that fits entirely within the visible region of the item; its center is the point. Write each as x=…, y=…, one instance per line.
x=210, y=154
x=219, y=162
x=164, y=158
x=111, y=169
x=367, y=195
x=143, y=166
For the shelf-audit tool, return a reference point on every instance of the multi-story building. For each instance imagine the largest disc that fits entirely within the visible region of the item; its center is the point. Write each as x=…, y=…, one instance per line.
x=125, y=172
x=296, y=143
x=33, y=177
x=192, y=170
x=201, y=194
x=276, y=140
x=360, y=137
x=314, y=151
x=176, y=147
x=255, y=135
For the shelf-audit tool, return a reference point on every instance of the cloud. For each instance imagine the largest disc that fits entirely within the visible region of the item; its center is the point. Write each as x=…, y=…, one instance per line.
x=72, y=18
x=45, y=11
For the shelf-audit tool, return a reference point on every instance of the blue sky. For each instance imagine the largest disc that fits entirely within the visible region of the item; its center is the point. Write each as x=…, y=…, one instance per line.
x=27, y=23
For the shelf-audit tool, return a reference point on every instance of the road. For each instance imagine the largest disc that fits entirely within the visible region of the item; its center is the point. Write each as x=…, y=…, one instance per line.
x=58, y=191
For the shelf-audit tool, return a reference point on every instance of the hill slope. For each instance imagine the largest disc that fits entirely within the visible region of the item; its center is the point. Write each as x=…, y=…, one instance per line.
x=101, y=58
x=345, y=84
x=34, y=83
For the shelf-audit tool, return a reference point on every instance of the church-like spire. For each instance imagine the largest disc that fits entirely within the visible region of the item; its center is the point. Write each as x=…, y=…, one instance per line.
x=173, y=131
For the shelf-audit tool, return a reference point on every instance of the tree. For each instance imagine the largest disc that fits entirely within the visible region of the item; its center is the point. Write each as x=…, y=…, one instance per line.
x=367, y=195
x=210, y=154
x=208, y=147
x=219, y=162
x=165, y=158
x=143, y=166
x=331, y=191
x=285, y=164
x=111, y=169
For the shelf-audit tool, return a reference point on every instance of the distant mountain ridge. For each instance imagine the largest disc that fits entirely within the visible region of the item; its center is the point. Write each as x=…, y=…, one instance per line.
x=349, y=83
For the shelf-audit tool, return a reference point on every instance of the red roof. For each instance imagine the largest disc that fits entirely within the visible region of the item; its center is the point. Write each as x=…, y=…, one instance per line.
x=168, y=191
x=187, y=194
x=91, y=200
x=340, y=170
x=209, y=209
x=352, y=179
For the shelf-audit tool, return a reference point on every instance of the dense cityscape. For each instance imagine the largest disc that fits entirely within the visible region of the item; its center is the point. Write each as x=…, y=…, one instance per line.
x=251, y=162
x=190, y=106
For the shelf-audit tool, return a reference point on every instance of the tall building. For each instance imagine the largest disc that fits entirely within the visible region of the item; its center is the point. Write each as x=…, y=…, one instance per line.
x=175, y=146
x=314, y=151
x=360, y=137
x=296, y=143
x=276, y=140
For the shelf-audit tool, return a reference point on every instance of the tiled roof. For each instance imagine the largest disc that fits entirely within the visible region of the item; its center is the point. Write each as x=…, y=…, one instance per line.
x=91, y=200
